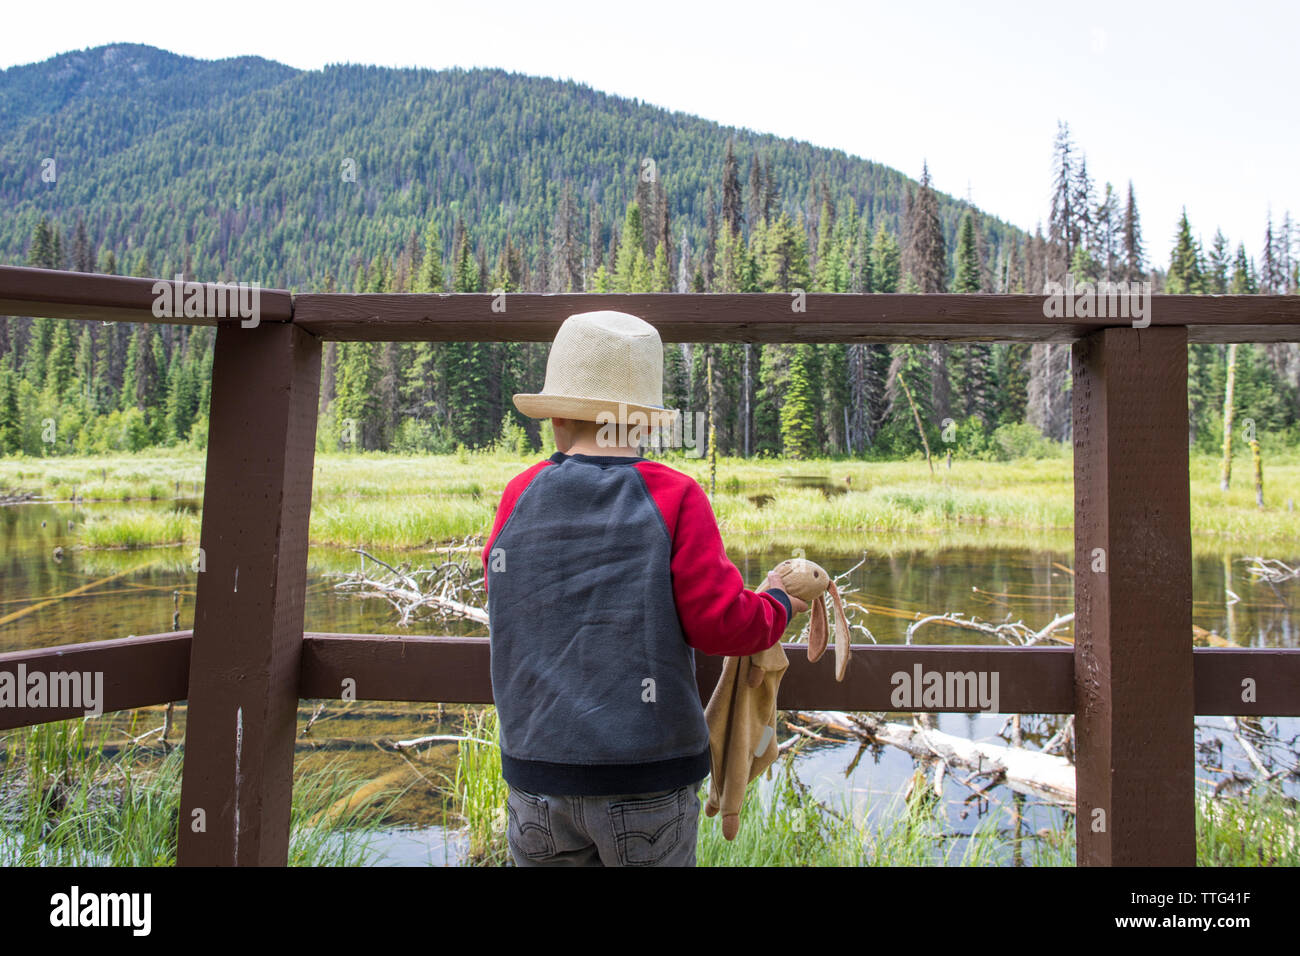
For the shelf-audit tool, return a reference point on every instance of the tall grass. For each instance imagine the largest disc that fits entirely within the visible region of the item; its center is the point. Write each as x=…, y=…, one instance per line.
x=1261, y=829
x=417, y=501
x=138, y=528
x=64, y=802
x=481, y=790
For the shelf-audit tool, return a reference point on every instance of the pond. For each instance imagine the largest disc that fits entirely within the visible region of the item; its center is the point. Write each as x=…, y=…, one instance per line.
x=47, y=598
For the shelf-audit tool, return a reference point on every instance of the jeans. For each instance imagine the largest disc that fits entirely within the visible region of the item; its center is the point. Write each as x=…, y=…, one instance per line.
x=632, y=829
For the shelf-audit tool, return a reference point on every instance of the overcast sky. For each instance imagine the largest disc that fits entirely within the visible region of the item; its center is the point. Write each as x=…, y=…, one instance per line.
x=1195, y=102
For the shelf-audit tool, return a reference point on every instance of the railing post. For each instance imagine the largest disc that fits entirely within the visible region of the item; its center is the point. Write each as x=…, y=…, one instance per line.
x=248, y=619
x=1133, y=600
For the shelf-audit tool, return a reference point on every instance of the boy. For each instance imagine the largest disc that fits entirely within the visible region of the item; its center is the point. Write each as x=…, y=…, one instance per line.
x=604, y=573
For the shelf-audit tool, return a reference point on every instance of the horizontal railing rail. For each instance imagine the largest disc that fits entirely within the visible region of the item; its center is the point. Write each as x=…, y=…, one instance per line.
x=420, y=668
x=679, y=317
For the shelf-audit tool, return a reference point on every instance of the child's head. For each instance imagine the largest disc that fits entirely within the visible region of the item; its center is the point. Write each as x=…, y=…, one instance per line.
x=603, y=367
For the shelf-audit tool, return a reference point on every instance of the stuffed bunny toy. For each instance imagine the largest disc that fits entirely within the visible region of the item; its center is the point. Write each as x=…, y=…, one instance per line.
x=741, y=713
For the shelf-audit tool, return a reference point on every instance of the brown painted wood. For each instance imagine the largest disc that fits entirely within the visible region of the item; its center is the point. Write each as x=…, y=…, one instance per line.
x=1034, y=680
x=154, y=669
x=1221, y=673
x=1132, y=656
x=455, y=670
x=79, y=295
x=135, y=672
x=243, y=696
x=769, y=317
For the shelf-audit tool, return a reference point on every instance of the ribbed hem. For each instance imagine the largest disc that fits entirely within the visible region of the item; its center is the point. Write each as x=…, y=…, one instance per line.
x=605, y=780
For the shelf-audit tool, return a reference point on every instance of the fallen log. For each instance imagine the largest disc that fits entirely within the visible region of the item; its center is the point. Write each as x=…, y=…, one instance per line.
x=1045, y=776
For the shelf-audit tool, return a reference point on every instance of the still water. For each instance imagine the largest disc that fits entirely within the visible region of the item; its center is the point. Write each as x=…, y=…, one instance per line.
x=48, y=598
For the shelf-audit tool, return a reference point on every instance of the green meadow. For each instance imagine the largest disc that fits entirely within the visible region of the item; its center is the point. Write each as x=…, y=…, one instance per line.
x=420, y=501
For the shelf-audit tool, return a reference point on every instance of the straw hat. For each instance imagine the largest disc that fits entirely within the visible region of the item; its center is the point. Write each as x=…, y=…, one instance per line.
x=602, y=362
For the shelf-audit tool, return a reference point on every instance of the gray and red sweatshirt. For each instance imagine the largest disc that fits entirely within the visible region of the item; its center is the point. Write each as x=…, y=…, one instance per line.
x=604, y=575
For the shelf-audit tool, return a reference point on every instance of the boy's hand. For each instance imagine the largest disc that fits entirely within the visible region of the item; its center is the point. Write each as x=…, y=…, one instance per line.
x=774, y=581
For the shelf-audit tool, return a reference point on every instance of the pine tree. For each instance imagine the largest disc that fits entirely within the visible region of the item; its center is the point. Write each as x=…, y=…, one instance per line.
x=798, y=410
x=631, y=269
x=83, y=257
x=1063, y=225
x=566, y=258
x=59, y=361
x=1134, y=257
x=1108, y=232
x=661, y=279
x=925, y=257
x=430, y=277
x=771, y=193
x=1184, y=266
x=756, y=210
x=1218, y=263
x=41, y=254
x=968, y=264
x=1243, y=277
x=885, y=257
x=786, y=264
x=10, y=419
x=732, y=216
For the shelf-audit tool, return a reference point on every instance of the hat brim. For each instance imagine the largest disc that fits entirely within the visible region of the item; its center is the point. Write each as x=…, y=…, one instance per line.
x=538, y=405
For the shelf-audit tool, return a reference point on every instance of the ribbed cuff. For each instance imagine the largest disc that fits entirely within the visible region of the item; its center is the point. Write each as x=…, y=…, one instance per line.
x=785, y=601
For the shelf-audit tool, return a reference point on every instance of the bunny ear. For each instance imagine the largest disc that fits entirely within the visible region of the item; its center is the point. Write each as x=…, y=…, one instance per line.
x=841, y=634
x=817, y=629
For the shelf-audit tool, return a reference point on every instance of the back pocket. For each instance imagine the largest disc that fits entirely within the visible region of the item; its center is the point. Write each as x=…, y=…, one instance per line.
x=530, y=824
x=647, y=830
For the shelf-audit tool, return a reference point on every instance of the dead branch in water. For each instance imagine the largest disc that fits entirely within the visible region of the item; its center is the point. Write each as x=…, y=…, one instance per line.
x=1010, y=632
x=449, y=589
x=1271, y=570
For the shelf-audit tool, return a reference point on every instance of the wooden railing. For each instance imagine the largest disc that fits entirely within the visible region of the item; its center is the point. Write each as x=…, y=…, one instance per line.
x=247, y=663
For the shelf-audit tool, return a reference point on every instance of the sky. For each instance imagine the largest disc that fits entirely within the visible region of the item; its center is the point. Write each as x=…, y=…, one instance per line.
x=1195, y=102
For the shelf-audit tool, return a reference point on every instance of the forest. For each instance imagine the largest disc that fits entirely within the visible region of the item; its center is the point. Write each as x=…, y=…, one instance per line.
x=378, y=180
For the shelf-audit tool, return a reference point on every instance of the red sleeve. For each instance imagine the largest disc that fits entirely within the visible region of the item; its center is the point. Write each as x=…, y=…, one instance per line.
x=514, y=488
x=718, y=614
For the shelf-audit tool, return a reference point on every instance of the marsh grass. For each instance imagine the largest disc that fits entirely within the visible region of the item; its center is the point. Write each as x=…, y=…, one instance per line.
x=1262, y=829
x=481, y=791
x=138, y=528
x=418, y=501
x=64, y=802
x=788, y=828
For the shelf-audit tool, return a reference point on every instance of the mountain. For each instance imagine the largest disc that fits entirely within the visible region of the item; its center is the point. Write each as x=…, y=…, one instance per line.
x=233, y=169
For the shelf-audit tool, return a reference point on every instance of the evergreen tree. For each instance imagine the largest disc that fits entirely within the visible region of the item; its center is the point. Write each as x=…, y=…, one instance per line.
x=631, y=269
x=11, y=439
x=925, y=257
x=886, y=259
x=1134, y=257
x=732, y=216
x=1184, y=266
x=968, y=264
x=60, y=360
x=1243, y=274
x=798, y=410
x=1218, y=264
